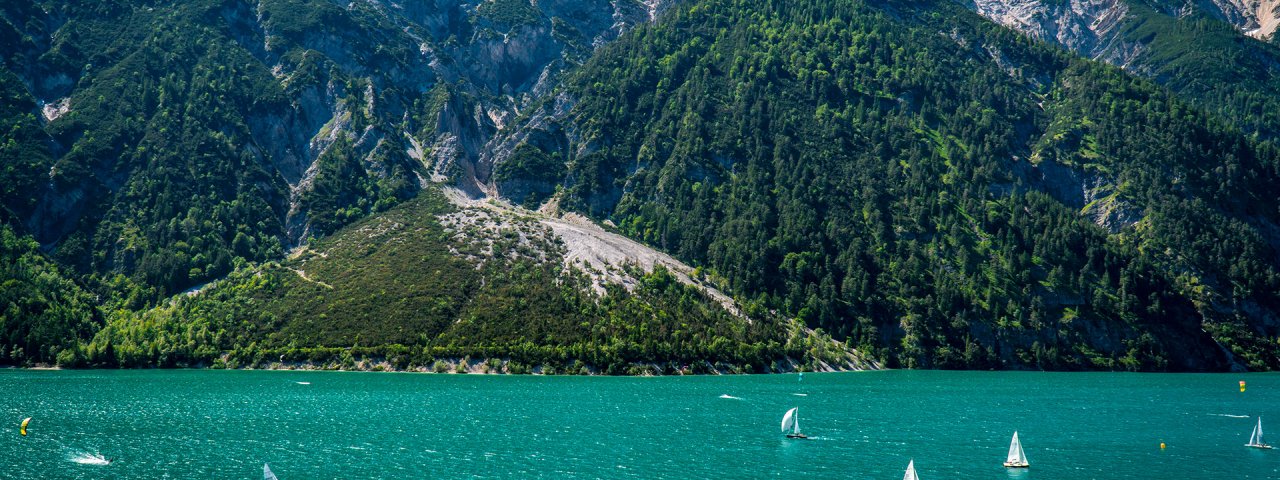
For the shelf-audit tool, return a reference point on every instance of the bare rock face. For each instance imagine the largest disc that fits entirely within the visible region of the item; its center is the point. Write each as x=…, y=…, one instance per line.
x=1256, y=18
x=513, y=69
x=1089, y=26
x=1086, y=26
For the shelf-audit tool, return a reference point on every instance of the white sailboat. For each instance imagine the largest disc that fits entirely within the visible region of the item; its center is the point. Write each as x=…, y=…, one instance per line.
x=1255, y=439
x=266, y=473
x=911, y=471
x=791, y=424
x=1017, y=459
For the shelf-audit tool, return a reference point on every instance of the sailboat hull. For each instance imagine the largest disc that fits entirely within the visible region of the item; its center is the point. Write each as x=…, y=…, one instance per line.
x=797, y=435
x=1263, y=447
x=1016, y=465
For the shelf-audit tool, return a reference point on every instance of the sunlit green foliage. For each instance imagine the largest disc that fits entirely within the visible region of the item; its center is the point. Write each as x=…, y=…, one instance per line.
x=390, y=287
x=43, y=316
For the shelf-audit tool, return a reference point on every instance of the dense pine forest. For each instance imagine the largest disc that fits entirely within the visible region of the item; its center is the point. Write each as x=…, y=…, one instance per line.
x=933, y=187
x=234, y=184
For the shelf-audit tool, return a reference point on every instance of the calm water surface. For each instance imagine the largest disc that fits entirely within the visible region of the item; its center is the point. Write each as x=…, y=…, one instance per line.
x=865, y=425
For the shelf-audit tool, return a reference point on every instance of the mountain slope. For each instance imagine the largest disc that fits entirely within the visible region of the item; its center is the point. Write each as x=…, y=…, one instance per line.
x=170, y=141
x=1197, y=49
x=905, y=178
x=917, y=181
x=1256, y=18
x=430, y=282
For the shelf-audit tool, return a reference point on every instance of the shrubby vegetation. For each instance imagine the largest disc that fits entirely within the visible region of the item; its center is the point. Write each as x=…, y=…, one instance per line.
x=509, y=12
x=389, y=287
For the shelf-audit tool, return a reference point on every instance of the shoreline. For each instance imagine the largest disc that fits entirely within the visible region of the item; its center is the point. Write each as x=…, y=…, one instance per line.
x=464, y=366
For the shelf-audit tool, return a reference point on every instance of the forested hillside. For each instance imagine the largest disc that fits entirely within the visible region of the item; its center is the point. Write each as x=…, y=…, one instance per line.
x=923, y=183
x=428, y=285
x=235, y=183
x=169, y=142
x=1209, y=63
x=1189, y=47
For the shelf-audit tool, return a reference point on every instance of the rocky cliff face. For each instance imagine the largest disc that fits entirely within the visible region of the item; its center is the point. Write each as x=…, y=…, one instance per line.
x=485, y=62
x=1086, y=26
x=1256, y=18
x=1089, y=26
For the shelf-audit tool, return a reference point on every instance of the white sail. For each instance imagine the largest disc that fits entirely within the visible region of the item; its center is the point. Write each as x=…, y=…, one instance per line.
x=1016, y=455
x=791, y=421
x=266, y=473
x=1255, y=439
x=911, y=471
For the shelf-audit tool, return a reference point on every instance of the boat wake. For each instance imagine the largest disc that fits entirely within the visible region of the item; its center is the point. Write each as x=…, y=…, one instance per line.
x=730, y=397
x=89, y=459
x=1228, y=415
x=801, y=394
x=303, y=383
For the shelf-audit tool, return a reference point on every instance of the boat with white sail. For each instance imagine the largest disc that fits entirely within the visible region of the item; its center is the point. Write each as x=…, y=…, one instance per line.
x=911, y=471
x=1017, y=458
x=791, y=424
x=1255, y=439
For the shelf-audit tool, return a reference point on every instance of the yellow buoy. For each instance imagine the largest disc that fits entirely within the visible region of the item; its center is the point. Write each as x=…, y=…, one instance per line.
x=1162, y=445
x=23, y=428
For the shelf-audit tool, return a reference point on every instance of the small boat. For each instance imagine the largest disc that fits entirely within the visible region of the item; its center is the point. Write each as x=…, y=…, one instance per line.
x=1017, y=459
x=791, y=424
x=266, y=473
x=1255, y=439
x=911, y=471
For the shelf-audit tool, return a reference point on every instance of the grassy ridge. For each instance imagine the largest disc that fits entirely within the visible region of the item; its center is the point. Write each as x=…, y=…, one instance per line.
x=403, y=286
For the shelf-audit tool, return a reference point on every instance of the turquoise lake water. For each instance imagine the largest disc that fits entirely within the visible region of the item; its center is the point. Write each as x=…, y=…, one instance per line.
x=865, y=425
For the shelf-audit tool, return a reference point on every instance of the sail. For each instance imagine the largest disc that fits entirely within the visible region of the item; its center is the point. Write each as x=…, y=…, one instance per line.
x=1016, y=456
x=911, y=471
x=266, y=473
x=1256, y=437
x=790, y=421
x=23, y=428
